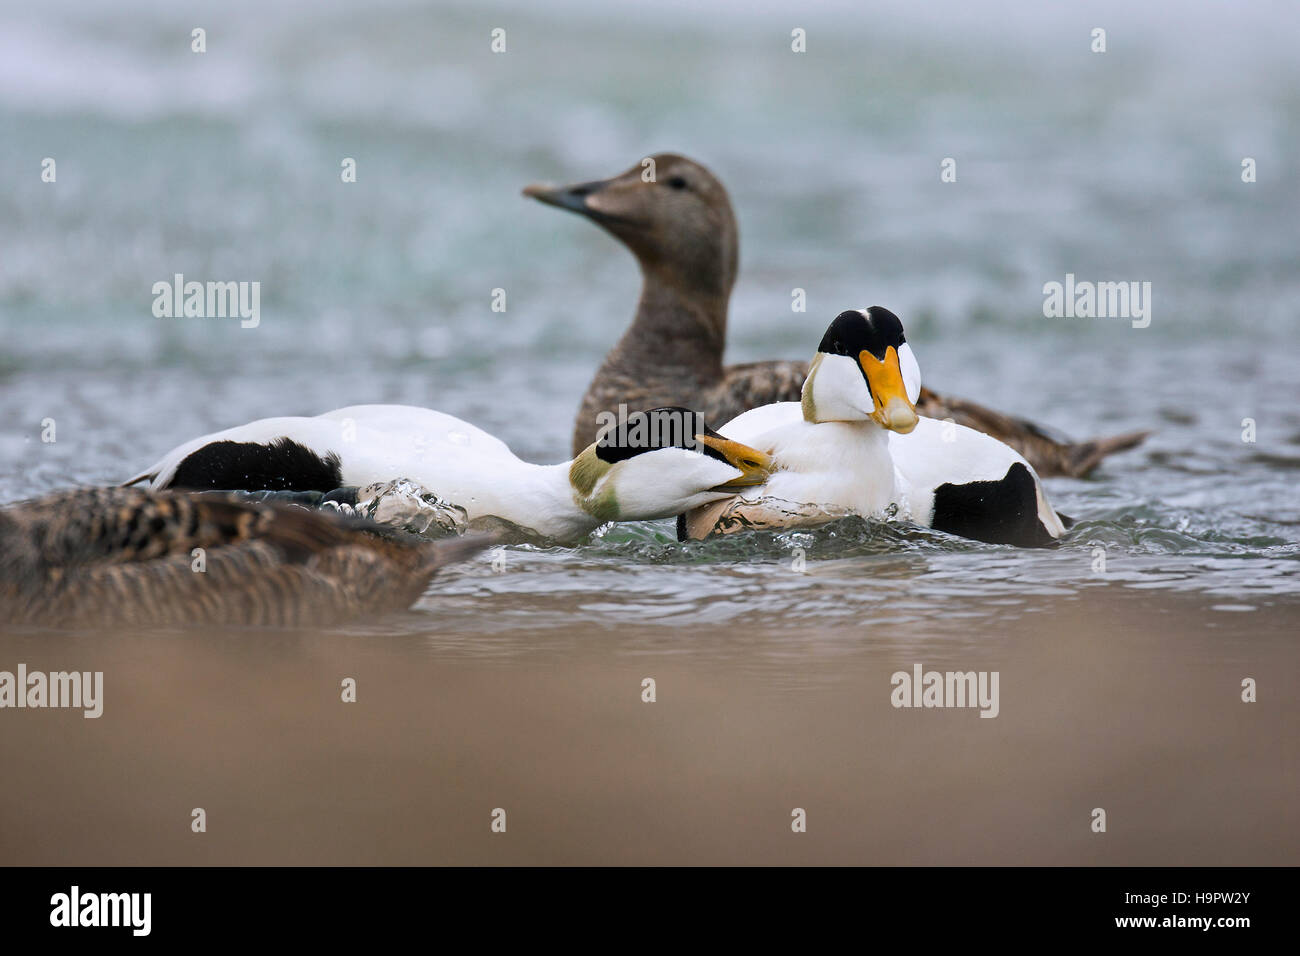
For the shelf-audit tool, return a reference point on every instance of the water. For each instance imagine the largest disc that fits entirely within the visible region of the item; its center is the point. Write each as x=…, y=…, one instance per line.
x=1123, y=165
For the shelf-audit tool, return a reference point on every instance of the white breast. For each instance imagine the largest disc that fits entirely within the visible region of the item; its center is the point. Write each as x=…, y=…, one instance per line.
x=829, y=468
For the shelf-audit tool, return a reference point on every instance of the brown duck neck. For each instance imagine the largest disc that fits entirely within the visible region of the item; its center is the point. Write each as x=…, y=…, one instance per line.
x=678, y=327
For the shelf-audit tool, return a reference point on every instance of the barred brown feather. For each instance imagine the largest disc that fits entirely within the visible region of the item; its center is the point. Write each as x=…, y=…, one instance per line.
x=126, y=557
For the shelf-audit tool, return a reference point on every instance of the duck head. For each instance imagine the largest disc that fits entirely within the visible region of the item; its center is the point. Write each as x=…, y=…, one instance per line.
x=660, y=463
x=864, y=370
x=670, y=211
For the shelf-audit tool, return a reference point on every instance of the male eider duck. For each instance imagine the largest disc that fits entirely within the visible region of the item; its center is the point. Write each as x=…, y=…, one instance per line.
x=654, y=464
x=683, y=233
x=854, y=444
x=126, y=557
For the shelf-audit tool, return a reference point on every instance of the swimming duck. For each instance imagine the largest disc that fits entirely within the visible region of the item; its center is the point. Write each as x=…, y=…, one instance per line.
x=682, y=230
x=854, y=444
x=653, y=464
x=113, y=557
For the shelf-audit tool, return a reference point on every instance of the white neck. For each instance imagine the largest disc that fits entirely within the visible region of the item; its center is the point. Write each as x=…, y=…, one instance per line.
x=844, y=465
x=536, y=497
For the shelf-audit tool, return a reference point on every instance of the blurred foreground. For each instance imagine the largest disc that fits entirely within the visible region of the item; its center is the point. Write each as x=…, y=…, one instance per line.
x=1106, y=701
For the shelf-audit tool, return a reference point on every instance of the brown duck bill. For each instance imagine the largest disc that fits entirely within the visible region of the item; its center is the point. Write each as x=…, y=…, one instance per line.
x=574, y=199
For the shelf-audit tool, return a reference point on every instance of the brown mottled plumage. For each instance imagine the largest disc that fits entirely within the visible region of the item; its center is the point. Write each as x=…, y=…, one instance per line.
x=116, y=557
x=683, y=233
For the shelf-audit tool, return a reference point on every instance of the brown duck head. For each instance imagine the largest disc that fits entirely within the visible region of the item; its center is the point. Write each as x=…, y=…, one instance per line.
x=671, y=212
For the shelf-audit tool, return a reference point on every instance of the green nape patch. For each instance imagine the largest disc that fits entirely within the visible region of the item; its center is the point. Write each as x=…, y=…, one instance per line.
x=584, y=473
x=806, y=403
x=586, y=470
x=604, y=506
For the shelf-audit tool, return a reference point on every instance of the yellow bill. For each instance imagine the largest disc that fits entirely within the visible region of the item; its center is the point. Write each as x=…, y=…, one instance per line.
x=755, y=467
x=894, y=410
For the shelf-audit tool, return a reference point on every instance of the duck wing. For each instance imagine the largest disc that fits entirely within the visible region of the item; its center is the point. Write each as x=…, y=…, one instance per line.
x=753, y=385
x=1050, y=455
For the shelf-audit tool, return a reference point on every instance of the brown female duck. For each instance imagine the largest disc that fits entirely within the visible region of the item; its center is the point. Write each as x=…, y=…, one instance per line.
x=114, y=557
x=681, y=229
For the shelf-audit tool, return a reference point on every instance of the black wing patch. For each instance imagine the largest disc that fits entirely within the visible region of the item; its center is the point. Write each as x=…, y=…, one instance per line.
x=997, y=512
x=279, y=465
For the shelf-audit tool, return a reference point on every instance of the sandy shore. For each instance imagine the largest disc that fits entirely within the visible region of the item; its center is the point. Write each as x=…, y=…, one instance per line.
x=1120, y=699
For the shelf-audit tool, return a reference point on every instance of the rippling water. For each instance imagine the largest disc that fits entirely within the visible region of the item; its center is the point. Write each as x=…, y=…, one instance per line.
x=1117, y=166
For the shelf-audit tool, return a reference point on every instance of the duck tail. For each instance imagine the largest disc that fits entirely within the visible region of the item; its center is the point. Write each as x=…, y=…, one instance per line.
x=148, y=475
x=440, y=554
x=1081, y=457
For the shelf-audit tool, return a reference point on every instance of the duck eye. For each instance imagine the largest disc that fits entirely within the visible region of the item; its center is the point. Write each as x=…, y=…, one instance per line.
x=677, y=182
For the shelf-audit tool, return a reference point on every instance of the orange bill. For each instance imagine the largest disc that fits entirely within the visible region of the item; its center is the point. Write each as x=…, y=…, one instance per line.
x=755, y=467
x=894, y=410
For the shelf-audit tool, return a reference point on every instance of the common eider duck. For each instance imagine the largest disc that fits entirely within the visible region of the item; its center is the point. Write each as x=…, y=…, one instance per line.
x=854, y=444
x=682, y=230
x=651, y=464
x=126, y=557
